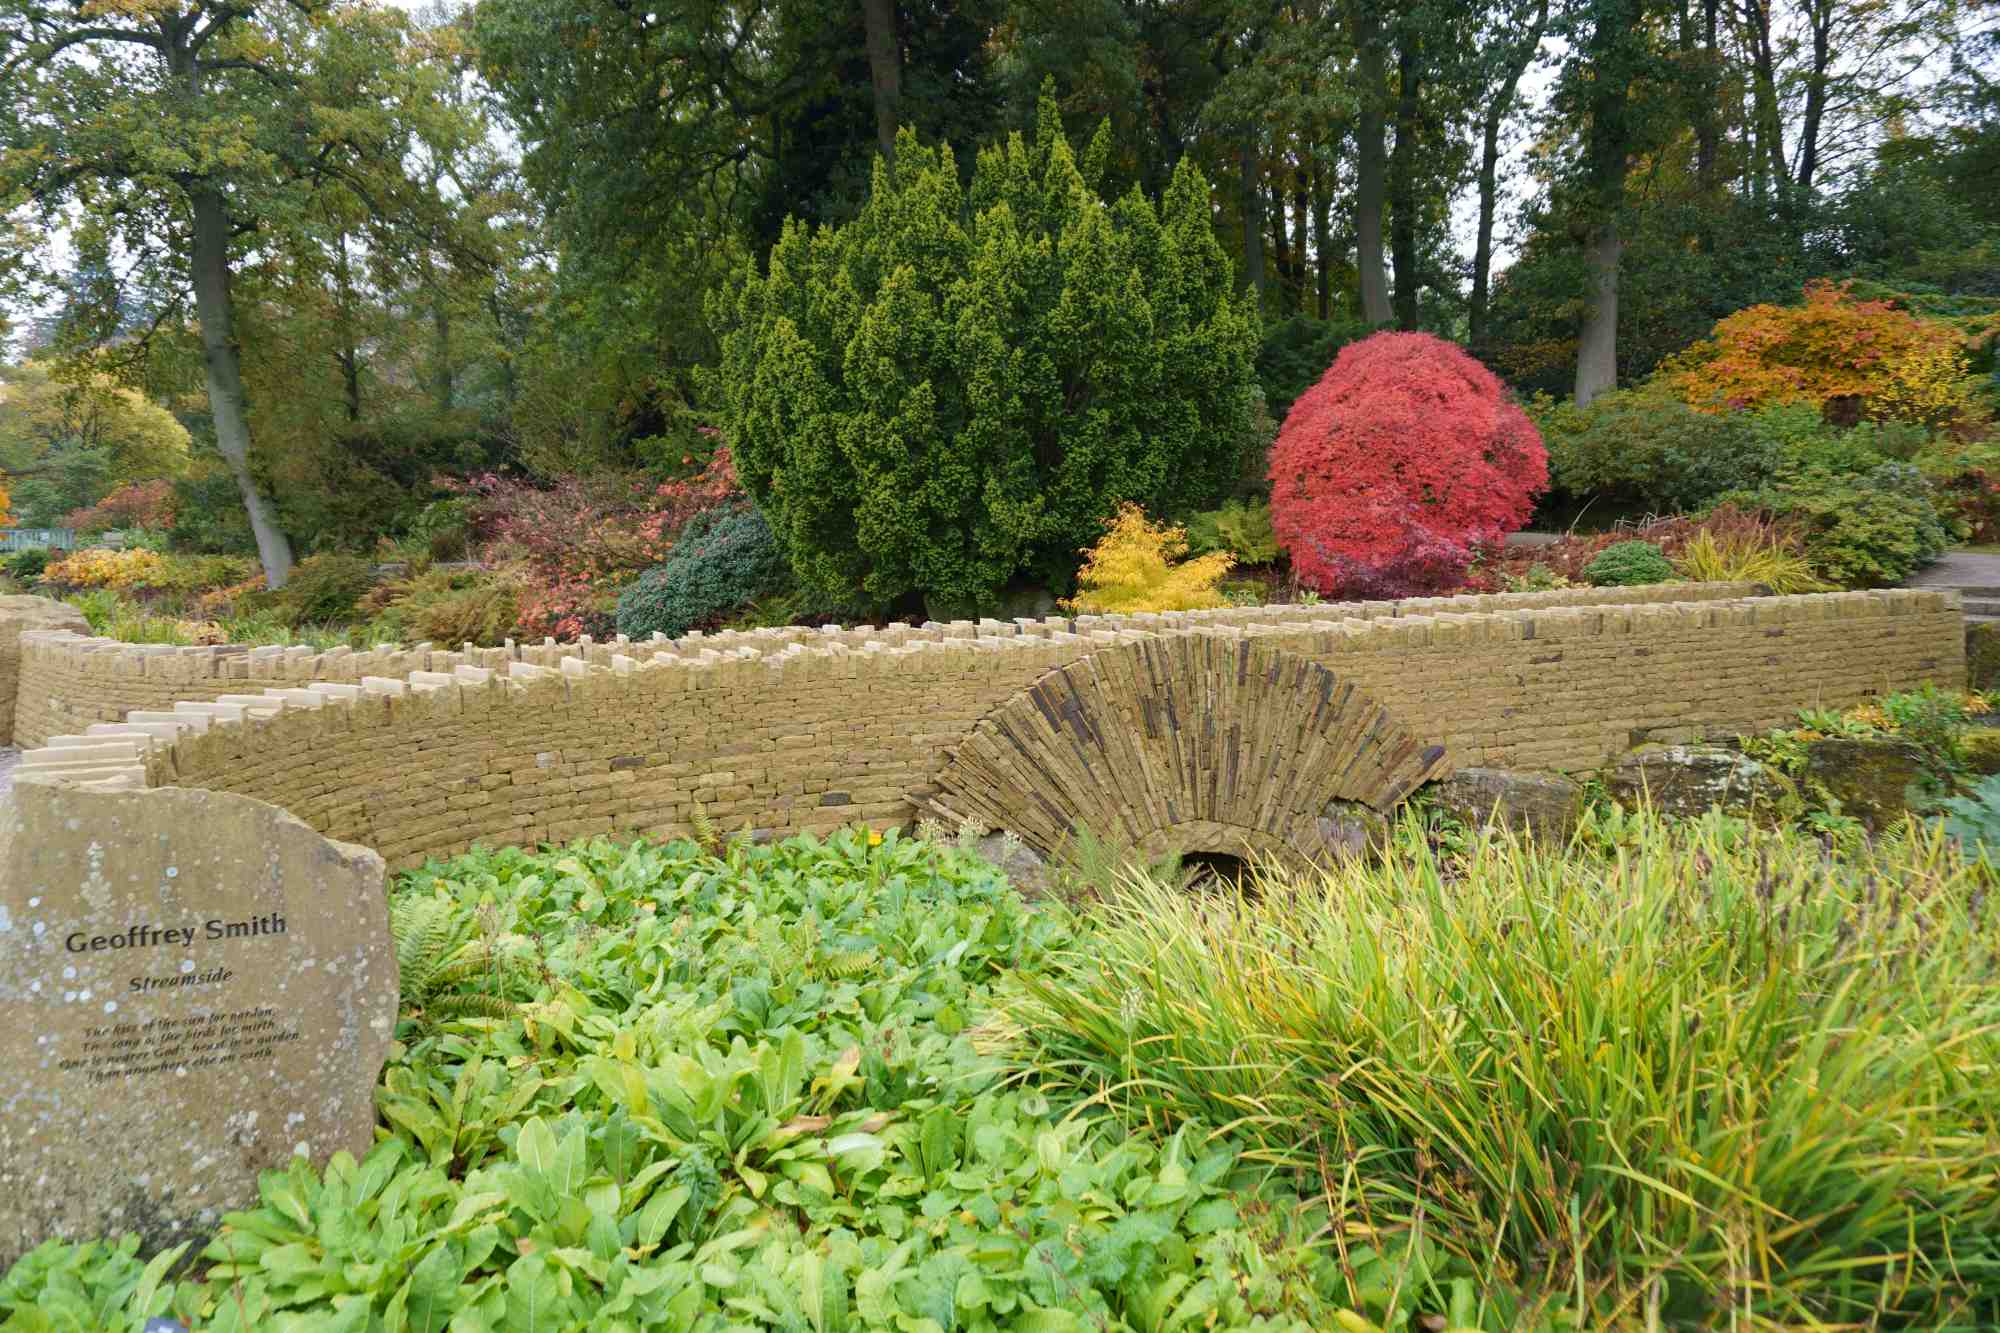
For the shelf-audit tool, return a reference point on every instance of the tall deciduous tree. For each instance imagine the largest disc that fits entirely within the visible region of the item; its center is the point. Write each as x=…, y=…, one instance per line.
x=1371, y=64
x=1504, y=57
x=179, y=134
x=1609, y=97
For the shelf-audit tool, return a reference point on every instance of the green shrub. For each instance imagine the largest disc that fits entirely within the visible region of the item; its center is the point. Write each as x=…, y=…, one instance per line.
x=722, y=560
x=1628, y=564
x=208, y=513
x=1539, y=578
x=1979, y=748
x=1006, y=363
x=444, y=606
x=1610, y=1066
x=481, y=613
x=1860, y=532
x=1805, y=442
x=324, y=589
x=1646, y=449
x=1241, y=528
x=443, y=528
x=27, y=566
x=202, y=573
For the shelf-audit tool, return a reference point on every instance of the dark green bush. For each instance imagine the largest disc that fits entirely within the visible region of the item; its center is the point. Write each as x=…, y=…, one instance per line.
x=1805, y=442
x=1005, y=363
x=1628, y=564
x=27, y=566
x=444, y=527
x=324, y=589
x=1860, y=532
x=208, y=513
x=722, y=560
x=1643, y=449
x=1295, y=352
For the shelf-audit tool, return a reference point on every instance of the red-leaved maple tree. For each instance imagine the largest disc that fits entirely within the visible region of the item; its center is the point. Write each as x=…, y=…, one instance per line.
x=1405, y=457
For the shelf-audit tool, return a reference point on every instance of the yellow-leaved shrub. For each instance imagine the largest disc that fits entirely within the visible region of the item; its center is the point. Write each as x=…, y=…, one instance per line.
x=1138, y=566
x=101, y=568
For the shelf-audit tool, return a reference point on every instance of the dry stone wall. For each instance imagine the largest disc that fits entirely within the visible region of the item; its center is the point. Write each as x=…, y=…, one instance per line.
x=800, y=730
x=69, y=684
x=18, y=616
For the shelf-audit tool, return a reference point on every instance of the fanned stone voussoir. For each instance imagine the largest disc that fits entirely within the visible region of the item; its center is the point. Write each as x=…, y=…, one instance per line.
x=1193, y=742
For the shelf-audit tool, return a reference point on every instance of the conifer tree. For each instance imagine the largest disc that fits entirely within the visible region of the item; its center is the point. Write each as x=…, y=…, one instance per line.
x=960, y=386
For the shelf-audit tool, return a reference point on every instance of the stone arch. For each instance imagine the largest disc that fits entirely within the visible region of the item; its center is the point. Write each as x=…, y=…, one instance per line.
x=1198, y=742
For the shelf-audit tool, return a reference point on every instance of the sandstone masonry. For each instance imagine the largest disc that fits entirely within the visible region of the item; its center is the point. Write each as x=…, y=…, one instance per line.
x=423, y=752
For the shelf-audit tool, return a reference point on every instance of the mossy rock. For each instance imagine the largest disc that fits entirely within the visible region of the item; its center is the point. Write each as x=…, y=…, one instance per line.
x=1689, y=779
x=1982, y=655
x=1547, y=804
x=1871, y=778
x=1981, y=748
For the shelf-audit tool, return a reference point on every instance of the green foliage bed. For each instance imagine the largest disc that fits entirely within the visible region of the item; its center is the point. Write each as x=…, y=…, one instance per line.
x=739, y=1091
x=1667, y=1075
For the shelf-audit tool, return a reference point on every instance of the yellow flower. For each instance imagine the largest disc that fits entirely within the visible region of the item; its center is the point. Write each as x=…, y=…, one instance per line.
x=874, y=838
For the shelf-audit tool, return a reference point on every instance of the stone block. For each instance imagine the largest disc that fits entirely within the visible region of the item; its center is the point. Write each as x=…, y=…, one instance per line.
x=1546, y=804
x=1872, y=778
x=195, y=987
x=1689, y=779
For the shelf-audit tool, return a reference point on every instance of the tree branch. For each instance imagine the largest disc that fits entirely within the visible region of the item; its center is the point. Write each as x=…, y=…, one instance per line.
x=38, y=54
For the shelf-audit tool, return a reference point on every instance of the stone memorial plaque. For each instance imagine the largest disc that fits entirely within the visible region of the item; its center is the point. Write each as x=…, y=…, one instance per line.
x=194, y=987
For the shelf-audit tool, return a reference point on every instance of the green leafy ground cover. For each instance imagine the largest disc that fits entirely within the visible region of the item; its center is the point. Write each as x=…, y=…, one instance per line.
x=738, y=1092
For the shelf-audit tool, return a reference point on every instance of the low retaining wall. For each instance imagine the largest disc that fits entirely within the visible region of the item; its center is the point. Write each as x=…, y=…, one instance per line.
x=69, y=684
x=808, y=730
x=19, y=616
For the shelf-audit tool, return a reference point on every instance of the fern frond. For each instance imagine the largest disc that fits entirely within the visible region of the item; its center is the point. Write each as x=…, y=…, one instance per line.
x=427, y=931
x=448, y=1007
x=705, y=833
x=847, y=964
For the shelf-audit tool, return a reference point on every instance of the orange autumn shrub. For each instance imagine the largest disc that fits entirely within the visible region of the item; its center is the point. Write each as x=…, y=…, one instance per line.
x=1833, y=349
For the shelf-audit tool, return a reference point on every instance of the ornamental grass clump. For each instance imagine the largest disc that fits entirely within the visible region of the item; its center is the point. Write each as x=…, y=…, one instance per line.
x=1751, y=556
x=1693, y=1073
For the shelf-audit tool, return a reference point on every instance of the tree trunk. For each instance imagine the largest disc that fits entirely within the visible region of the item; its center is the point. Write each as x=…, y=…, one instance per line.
x=1489, y=170
x=1403, y=182
x=1597, y=340
x=1281, y=251
x=1371, y=170
x=209, y=265
x=885, y=68
x=1820, y=15
x=1322, y=208
x=1301, y=222
x=1707, y=130
x=1253, y=222
x=1482, y=251
x=441, y=352
x=349, y=355
x=1764, y=88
